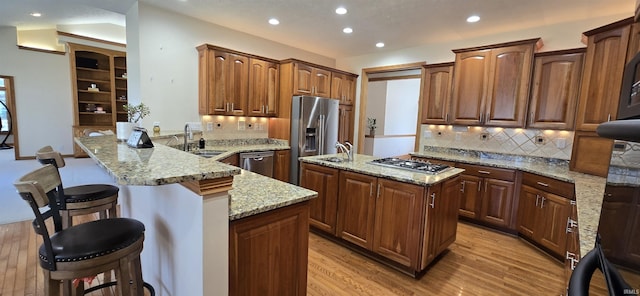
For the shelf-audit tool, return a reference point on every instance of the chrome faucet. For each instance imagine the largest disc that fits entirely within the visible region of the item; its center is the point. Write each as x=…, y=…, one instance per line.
x=188, y=135
x=349, y=151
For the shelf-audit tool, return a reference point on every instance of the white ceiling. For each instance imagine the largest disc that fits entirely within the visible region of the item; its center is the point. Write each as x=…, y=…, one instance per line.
x=314, y=26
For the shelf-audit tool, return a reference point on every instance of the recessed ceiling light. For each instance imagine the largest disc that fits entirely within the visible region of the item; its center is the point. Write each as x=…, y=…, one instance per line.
x=347, y=30
x=274, y=21
x=341, y=10
x=36, y=14
x=473, y=19
x=380, y=44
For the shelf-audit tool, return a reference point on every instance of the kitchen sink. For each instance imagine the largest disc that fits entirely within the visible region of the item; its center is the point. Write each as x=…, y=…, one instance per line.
x=207, y=153
x=334, y=159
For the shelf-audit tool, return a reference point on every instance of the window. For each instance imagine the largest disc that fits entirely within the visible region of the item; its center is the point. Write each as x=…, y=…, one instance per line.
x=3, y=111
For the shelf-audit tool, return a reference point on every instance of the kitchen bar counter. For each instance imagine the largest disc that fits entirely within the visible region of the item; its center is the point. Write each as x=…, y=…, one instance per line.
x=589, y=189
x=360, y=164
x=187, y=203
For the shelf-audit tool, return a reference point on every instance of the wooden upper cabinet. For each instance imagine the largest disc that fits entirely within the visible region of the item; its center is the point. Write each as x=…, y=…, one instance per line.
x=492, y=84
x=343, y=87
x=312, y=81
x=602, y=75
x=264, y=87
x=471, y=73
x=223, y=82
x=555, y=89
x=436, y=93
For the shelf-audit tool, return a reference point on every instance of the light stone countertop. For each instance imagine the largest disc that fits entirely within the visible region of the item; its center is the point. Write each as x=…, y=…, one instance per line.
x=251, y=194
x=360, y=164
x=589, y=189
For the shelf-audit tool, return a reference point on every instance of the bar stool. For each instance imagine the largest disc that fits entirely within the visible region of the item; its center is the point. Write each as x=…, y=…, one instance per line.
x=82, y=199
x=82, y=250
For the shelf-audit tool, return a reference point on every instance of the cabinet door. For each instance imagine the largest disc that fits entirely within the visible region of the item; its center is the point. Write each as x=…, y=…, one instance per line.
x=470, y=198
x=617, y=206
x=264, y=80
x=602, y=78
x=231, y=160
x=356, y=206
x=497, y=201
x=399, y=211
x=274, y=243
x=632, y=247
x=238, y=84
x=345, y=124
x=436, y=94
x=591, y=154
x=323, y=209
x=528, y=211
x=343, y=88
x=445, y=207
x=508, y=89
x=553, y=224
x=281, y=165
x=470, y=79
x=303, y=79
x=321, y=83
x=555, y=89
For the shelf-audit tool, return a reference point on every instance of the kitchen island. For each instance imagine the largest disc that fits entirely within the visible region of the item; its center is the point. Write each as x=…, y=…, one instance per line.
x=194, y=209
x=400, y=218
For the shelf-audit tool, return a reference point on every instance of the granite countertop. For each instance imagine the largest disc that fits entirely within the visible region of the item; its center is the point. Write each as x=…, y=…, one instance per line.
x=360, y=164
x=254, y=193
x=228, y=147
x=589, y=189
x=251, y=193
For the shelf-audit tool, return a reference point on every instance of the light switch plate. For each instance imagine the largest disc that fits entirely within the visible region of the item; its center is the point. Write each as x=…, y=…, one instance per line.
x=561, y=143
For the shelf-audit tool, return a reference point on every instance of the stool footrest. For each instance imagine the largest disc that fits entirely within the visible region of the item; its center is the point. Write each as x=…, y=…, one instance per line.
x=149, y=287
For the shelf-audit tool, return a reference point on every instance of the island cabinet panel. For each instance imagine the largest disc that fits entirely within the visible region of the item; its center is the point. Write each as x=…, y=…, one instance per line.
x=491, y=84
x=323, y=209
x=488, y=196
x=543, y=214
x=441, y=219
x=264, y=88
x=555, y=89
x=356, y=208
x=268, y=253
x=281, y=169
x=602, y=76
x=399, y=211
x=436, y=93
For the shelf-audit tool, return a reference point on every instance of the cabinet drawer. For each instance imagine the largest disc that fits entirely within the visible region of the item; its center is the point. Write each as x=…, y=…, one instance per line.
x=433, y=160
x=488, y=172
x=554, y=186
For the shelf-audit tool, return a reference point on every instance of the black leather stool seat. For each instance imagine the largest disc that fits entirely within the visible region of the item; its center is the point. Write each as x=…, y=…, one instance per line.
x=84, y=193
x=92, y=239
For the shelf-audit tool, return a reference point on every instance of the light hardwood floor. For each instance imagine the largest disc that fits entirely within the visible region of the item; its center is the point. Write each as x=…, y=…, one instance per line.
x=480, y=262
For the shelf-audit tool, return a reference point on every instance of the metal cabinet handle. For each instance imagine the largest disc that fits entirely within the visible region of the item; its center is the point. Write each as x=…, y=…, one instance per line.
x=462, y=189
x=479, y=185
x=378, y=194
x=433, y=200
x=542, y=202
x=543, y=184
x=609, y=118
x=232, y=107
x=531, y=118
x=484, y=172
x=446, y=118
x=481, y=116
x=266, y=108
x=537, y=198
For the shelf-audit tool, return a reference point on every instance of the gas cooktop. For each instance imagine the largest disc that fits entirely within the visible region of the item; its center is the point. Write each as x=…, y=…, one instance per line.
x=412, y=165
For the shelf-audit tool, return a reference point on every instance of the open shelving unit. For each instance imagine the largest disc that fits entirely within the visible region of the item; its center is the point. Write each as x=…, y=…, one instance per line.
x=99, y=82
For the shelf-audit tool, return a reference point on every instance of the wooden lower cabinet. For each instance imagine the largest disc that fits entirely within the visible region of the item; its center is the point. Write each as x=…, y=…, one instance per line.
x=620, y=232
x=542, y=217
x=398, y=221
x=488, y=195
x=356, y=208
x=268, y=252
x=281, y=165
x=323, y=209
x=231, y=160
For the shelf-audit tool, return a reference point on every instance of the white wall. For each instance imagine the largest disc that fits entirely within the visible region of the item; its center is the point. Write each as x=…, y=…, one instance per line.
x=401, y=106
x=377, y=101
x=168, y=60
x=42, y=82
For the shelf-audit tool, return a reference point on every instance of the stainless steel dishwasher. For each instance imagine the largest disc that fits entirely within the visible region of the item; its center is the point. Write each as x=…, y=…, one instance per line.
x=258, y=162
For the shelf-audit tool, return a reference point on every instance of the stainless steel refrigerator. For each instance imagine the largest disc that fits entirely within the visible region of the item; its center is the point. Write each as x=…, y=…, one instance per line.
x=314, y=129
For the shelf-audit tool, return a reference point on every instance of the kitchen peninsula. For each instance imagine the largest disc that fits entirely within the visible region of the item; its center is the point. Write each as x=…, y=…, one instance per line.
x=206, y=221
x=401, y=218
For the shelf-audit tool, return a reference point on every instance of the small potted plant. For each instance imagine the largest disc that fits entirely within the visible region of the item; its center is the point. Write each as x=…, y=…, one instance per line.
x=135, y=113
x=371, y=124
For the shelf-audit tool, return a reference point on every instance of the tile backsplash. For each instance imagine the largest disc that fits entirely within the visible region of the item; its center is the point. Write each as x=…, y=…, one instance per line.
x=516, y=141
x=234, y=127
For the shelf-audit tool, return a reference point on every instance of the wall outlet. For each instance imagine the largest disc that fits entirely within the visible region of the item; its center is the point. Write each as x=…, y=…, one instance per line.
x=561, y=143
x=218, y=125
x=440, y=133
x=427, y=135
x=241, y=125
x=484, y=136
x=539, y=140
x=209, y=126
x=249, y=125
x=458, y=136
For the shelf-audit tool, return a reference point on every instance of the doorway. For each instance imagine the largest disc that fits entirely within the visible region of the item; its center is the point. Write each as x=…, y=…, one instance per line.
x=384, y=93
x=8, y=127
